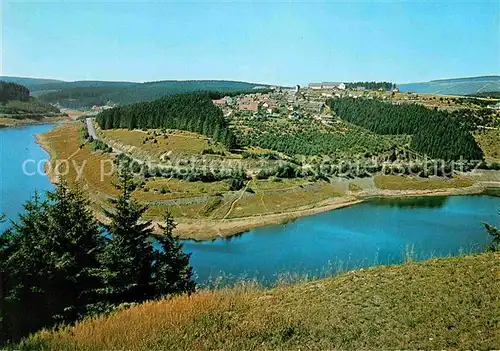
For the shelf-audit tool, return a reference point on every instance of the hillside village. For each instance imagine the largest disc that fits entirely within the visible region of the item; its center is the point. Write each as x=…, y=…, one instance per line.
x=309, y=102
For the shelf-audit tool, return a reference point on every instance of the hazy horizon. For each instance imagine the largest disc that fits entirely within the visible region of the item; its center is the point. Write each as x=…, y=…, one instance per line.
x=208, y=79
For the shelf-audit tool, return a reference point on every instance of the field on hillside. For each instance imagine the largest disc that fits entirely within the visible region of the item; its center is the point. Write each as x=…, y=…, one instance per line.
x=447, y=303
x=489, y=141
x=156, y=143
x=396, y=182
x=310, y=137
x=186, y=200
x=68, y=156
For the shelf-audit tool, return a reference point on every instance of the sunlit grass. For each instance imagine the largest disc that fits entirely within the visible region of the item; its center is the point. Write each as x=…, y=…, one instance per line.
x=447, y=303
x=262, y=203
x=178, y=211
x=354, y=187
x=489, y=141
x=64, y=148
x=396, y=182
x=277, y=184
x=175, y=188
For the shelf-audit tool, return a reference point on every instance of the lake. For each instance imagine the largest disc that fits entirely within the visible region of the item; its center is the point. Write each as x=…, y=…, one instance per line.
x=378, y=231
x=18, y=145
x=370, y=233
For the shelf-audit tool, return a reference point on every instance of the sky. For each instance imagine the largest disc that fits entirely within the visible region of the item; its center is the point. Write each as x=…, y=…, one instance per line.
x=283, y=43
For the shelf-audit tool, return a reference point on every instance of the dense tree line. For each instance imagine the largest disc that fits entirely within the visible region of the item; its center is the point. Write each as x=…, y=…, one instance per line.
x=371, y=85
x=434, y=133
x=87, y=94
x=13, y=91
x=57, y=265
x=193, y=112
x=25, y=108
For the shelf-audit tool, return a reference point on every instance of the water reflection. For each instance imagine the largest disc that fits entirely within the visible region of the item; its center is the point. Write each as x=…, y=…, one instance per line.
x=411, y=202
x=234, y=236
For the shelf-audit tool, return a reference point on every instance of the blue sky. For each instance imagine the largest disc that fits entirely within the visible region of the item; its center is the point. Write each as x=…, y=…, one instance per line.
x=269, y=42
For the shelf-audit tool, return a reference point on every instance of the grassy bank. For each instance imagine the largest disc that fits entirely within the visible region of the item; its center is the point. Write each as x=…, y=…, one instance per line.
x=396, y=182
x=210, y=210
x=489, y=140
x=450, y=303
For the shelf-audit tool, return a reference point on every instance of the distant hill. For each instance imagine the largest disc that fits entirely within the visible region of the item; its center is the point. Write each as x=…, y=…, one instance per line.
x=16, y=103
x=29, y=83
x=84, y=94
x=79, y=96
x=456, y=86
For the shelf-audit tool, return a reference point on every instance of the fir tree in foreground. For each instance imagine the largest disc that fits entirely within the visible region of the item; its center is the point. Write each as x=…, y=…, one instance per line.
x=133, y=269
x=47, y=260
x=172, y=271
x=56, y=265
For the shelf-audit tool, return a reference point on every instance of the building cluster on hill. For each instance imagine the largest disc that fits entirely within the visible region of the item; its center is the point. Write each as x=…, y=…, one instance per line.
x=327, y=86
x=276, y=103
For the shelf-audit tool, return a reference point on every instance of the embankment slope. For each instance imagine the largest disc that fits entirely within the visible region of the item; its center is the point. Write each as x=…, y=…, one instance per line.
x=447, y=303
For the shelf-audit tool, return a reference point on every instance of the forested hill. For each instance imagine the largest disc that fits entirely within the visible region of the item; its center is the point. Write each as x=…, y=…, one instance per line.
x=12, y=91
x=16, y=102
x=434, y=133
x=456, y=86
x=29, y=83
x=193, y=112
x=84, y=94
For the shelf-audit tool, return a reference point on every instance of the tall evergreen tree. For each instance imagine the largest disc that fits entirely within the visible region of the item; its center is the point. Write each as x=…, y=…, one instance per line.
x=172, y=272
x=133, y=270
x=128, y=254
x=47, y=263
x=71, y=219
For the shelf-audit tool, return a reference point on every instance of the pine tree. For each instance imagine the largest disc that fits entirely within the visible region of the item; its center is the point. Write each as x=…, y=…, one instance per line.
x=47, y=263
x=128, y=255
x=79, y=243
x=172, y=272
x=26, y=270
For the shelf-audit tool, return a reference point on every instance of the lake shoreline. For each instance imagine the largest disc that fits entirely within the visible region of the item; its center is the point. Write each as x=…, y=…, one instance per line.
x=209, y=229
x=44, y=144
x=199, y=229
x=7, y=122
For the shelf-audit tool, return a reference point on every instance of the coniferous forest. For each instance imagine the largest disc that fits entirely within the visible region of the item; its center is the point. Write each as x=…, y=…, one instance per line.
x=12, y=91
x=58, y=265
x=193, y=112
x=434, y=133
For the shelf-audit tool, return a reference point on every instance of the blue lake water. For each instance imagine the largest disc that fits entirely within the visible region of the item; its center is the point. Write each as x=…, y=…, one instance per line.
x=370, y=233
x=18, y=145
x=373, y=232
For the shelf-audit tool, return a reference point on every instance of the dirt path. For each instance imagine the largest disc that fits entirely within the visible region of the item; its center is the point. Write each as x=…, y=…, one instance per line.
x=236, y=200
x=207, y=229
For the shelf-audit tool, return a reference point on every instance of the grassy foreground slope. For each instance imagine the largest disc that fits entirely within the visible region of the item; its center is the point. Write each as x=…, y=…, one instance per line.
x=450, y=303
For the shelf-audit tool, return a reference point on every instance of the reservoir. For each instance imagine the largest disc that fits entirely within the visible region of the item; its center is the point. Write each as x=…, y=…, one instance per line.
x=17, y=146
x=382, y=231
x=378, y=231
